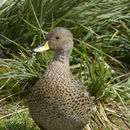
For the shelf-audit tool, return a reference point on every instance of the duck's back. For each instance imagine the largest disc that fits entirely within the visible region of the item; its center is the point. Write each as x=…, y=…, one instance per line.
x=58, y=102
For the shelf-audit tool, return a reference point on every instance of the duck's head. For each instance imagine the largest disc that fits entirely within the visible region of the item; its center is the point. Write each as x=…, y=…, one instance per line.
x=60, y=40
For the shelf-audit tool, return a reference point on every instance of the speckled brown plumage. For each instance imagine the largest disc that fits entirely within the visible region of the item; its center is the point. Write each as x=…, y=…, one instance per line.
x=57, y=101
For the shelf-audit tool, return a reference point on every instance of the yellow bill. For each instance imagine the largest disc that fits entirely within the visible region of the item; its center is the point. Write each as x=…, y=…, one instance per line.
x=43, y=47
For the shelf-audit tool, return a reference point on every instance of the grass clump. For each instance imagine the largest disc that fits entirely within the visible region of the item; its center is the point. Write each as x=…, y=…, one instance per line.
x=99, y=59
x=20, y=120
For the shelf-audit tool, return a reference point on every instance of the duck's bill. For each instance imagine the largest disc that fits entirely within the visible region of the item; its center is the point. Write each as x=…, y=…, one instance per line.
x=43, y=47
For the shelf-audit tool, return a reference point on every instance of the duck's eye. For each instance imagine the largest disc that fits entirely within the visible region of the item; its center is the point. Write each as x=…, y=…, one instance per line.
x=57, y=37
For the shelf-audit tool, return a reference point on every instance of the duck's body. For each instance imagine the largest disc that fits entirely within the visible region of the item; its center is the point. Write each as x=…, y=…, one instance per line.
x=57, y=101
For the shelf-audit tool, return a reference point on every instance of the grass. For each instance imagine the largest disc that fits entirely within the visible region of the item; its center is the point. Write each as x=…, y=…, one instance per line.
x=17, y=118
x=99, y=59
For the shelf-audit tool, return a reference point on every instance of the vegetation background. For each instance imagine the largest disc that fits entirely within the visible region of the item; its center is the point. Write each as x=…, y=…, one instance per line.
x=100, y=59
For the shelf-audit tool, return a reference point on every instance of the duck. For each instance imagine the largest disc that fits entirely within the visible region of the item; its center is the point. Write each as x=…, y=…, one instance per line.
x=57, y=101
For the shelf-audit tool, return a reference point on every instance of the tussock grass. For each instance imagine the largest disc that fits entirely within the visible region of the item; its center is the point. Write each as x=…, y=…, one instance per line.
x=20, y=120
x=101, y=38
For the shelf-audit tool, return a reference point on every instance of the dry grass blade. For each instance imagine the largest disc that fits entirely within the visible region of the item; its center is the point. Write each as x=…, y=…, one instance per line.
x=14, y=113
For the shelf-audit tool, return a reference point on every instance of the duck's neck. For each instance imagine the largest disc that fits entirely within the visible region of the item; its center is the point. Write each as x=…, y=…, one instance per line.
x=62, y=57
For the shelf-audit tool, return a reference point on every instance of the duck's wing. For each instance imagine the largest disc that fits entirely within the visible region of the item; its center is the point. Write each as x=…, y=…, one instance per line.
x=81, y=87
x=84, y=94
